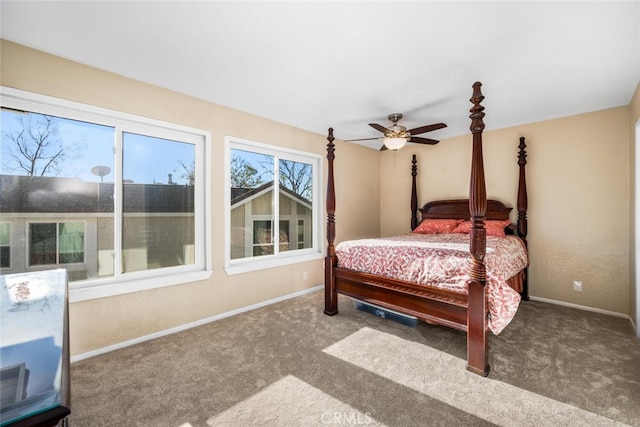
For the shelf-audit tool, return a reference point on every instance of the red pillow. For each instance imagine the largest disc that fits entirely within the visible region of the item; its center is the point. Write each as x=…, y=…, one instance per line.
x=494, y=228
x=437, y=226
x=463, y=228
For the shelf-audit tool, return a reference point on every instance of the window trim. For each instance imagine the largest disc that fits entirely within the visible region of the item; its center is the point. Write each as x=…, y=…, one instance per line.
x=150, y=279
x=244, y=265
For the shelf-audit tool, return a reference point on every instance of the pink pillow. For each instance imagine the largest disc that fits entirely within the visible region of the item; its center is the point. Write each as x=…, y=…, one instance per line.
x=494, y=228
x=437, y=226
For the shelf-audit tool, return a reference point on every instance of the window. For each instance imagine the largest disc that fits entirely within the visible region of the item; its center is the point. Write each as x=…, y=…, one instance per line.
x=270, y=185
x=262, y=241
x=56, y=243
x=158, y=212
x=118, y=200
x=5, y=245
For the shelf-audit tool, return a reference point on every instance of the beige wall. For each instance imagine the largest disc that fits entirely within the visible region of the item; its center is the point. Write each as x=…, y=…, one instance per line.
x=634, y=120
x=108, y=321
x=578, y=187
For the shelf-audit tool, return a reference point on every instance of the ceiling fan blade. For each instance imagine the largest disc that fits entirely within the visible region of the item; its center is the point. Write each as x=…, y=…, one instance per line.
x=383, y=148
x=361, y=139
x=420, y=140
x=427, y=128
x=379, y=127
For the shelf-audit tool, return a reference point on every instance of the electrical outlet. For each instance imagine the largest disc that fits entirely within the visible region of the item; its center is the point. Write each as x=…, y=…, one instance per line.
x=577, y=286
x=305, y=276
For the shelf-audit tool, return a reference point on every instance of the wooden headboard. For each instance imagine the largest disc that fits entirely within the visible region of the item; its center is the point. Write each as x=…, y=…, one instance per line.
x=459, y=209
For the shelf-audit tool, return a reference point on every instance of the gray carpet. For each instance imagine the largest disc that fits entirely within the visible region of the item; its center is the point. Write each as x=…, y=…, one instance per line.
x=288, y=364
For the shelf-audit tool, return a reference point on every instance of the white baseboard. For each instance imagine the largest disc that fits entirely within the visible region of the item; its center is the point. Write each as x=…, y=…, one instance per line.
x=584, y=307
x=184, y=327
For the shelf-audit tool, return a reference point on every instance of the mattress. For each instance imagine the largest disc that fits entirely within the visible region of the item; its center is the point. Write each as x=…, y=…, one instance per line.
x=442, y=261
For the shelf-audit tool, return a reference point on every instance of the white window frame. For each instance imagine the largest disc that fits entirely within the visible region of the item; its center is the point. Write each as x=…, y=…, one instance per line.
x=315, y=252
x=125, y=122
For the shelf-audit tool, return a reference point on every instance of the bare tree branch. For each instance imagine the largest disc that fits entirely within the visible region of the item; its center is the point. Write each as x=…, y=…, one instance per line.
x=36, y=148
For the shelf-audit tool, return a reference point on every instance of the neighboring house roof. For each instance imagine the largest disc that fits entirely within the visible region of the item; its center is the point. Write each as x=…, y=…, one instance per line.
x=22, y=194
x=242, y=195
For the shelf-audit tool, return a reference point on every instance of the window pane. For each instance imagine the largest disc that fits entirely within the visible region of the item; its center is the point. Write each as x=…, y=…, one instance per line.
x=57, y=167
x=273, y=187
x=252, y=209
x=71, y=242
x=296, y=181
x=262, y=238
x=301, y=238
x=42, y=244
x=5, y=242
x=158, y=203
x=284, y=236
x=5, y=257
x=5, y=236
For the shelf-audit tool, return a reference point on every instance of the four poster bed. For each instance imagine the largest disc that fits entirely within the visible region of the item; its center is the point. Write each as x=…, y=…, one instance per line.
x=462, y=266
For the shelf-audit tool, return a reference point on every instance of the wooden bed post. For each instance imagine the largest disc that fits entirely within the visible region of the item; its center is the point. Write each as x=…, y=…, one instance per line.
x=330, y=294
x=477, y=339
x=414, y=193
x=522, y=209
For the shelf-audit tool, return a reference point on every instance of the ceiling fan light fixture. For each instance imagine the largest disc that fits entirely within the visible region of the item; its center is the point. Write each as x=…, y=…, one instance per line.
x=396, y=136
x=395, y=142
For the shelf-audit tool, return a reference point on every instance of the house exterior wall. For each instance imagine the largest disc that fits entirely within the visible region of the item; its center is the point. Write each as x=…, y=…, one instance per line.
x=19, y=255
x=162, y=216
x=261, y=208
x=98, y=237
x=238, y=232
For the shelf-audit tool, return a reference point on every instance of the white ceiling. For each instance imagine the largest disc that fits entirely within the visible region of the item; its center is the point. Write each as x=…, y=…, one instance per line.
x=343, y=64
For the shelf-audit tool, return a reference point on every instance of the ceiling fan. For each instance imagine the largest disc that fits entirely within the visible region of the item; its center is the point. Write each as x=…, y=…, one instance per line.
x=396, y=136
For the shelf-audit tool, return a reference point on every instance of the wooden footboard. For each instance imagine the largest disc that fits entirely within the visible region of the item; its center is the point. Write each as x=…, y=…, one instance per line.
x=432, y=305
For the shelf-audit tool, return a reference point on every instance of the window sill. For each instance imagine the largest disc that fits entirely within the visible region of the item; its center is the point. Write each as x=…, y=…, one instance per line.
x=246, y=266
x=89, y=292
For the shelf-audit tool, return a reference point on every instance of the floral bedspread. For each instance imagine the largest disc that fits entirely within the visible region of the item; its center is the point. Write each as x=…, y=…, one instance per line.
x=442, y=260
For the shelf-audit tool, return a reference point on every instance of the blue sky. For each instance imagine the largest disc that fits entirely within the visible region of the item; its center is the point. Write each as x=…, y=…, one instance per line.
x=145, y=159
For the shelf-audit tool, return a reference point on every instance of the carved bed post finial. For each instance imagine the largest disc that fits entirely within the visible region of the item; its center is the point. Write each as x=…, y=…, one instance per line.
x=414, y=193
x=477, y=339
x=477, y=111
x=330, y=294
